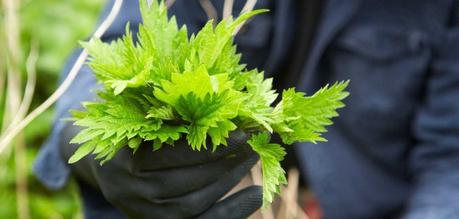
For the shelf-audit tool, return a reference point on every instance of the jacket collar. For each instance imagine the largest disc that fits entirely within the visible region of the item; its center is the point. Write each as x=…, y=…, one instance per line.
x=335, y=14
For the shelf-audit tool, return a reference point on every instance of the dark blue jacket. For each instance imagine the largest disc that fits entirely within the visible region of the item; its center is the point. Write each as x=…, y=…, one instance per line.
x=394, y=150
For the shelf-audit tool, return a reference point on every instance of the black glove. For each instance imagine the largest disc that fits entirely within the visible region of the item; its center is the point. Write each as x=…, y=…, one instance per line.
x=173, y=182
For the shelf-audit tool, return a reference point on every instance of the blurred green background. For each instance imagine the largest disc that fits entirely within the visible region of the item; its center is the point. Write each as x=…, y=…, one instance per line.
x=56, y=26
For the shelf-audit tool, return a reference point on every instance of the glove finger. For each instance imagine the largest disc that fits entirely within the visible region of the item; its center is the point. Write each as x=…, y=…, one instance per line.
x=183, y=180
x=237, y=206
x=181, y=153
x=196, y=202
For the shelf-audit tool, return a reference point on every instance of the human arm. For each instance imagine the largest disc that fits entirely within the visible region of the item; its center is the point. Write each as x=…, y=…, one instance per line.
x=434, y=160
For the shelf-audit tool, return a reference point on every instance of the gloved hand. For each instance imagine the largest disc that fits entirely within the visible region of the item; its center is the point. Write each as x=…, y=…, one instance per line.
x=173, y=182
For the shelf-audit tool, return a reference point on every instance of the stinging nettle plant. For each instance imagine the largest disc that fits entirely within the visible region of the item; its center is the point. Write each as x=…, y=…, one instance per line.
x=169, y=86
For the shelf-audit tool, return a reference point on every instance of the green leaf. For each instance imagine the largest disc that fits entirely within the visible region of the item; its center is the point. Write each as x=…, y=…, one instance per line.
x=260, y=96
x=220, y=133
x=134, y=143
x=210, y=42
x=163, y=112
x=82, y=151
x=184, y=84
x=197, y=136
x=86, y=135
x=270, y=156
x=163, y=134
x=302, y=118
x=157, y=144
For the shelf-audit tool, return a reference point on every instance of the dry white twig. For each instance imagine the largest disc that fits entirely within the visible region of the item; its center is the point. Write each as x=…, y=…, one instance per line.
x=210, y=10
x=13, y=55
x=289, y=207
x=22, y=191
x=169, y=3
x=249, y=5
x=20, y=156
x=9, y=135
x=30, y=86
x=13, y=102
x=228, y=9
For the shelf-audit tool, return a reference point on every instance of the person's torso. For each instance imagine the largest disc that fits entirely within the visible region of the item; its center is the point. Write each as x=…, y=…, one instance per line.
x=384, y=48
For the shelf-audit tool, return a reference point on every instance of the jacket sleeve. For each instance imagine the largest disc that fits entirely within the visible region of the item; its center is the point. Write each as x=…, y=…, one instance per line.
x=49, y=167
x=434, y=160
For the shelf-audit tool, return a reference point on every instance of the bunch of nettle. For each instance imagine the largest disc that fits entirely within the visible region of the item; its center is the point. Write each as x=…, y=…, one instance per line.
x=169, y=86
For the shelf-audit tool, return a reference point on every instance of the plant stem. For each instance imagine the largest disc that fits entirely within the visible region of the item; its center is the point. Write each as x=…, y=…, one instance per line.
x=13, y=104
x=228, y=9
x=249, y=5
x=17, y=128
x=210, y=10
x=30, y=86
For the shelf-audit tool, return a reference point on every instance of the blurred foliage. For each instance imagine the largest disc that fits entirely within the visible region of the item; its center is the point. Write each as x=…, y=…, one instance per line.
x=43, y=203
x=56, y=26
